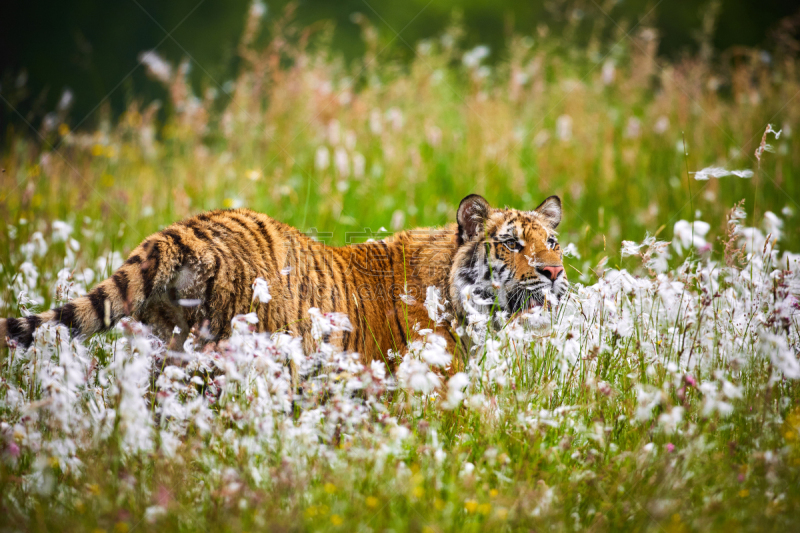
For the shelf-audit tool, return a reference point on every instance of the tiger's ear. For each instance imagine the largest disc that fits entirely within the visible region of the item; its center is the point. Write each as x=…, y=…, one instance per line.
x=550, y=210
x=472, y=213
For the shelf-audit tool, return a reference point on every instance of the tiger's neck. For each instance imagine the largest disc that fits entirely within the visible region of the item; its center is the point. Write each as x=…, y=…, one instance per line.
x=408, y=262
x=428, y=255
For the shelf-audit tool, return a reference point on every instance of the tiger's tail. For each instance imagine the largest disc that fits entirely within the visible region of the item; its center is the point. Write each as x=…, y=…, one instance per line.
x=148, y=269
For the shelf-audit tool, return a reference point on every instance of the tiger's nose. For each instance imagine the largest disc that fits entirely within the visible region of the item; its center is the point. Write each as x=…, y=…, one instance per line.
x=551, y=272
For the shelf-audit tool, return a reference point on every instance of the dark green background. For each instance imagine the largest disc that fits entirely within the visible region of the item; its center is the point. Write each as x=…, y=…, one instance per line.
x=92, y=47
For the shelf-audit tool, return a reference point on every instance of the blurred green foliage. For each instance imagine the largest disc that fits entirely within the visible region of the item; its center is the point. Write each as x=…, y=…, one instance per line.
x=93, y=47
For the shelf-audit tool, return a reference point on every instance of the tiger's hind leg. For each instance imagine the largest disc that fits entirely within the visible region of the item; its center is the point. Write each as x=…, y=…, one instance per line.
x=173, y=313
x=167, y=322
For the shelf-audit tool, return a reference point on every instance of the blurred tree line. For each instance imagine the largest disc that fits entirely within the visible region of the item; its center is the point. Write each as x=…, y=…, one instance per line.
x=92, y=48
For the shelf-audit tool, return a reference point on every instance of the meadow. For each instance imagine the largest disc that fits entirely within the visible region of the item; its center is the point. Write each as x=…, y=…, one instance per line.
x=661, y=395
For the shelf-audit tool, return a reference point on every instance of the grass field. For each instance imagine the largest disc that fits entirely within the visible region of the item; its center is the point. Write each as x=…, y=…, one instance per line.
x=661, y=396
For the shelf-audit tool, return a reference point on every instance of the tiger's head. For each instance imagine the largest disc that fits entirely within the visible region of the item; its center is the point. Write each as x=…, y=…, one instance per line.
x=507, y=260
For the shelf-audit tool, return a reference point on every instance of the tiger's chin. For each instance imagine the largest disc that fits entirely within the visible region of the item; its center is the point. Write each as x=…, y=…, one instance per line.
x=540, y=302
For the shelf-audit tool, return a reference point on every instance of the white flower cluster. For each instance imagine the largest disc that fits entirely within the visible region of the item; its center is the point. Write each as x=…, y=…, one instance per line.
x=697, y=326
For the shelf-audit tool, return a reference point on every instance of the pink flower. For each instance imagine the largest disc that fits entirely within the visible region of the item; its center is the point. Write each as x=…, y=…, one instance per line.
x=670, y=447
x=13, y=449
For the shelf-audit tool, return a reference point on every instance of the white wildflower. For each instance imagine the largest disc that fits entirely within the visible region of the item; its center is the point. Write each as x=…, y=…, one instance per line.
x=359, y=165
x=570, y=250
x=564, y=128
x=647, y=399
x=690, y=235
x=61, y=231
x=258, y=9
x=434, y=352
x=341, y=162
x=417, y=376
x=156, y=66
x=472, y=58
x=323, y=324
x=455, y=391
x=630, y=248
x=671, y=419
x=719, y=172
x=608, y=72
x=433, y=304
x=661, y=125
x=261, y=291
x=322, y=159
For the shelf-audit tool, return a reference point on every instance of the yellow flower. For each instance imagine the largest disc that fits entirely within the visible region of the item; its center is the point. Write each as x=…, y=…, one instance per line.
x=471, y=506
x=98, y=150
x=794, y=418
x=675, y=525
x=372, y=501
x=63, y=129
x=121, y=527
x=744, y=493
x=53, y=461
x=485, y=508
x=311, y=511
x=253, y=174
x=418, y=492
x=336, y=520
x=438, y=503
x=493, y=493
x=227, y=202
x=428, y=529
x=94, y=488
x=330, y=488
x=106, y=180
x=134, y=119
x=502, y=513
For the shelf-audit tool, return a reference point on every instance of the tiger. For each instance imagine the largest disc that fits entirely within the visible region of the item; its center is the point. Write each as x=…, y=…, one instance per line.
x=196, y=275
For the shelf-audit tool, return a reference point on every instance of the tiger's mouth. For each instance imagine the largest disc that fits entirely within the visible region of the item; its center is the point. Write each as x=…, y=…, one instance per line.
x=528, y=304
x=520, y=307
x=527, y=307
x=533, y=303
